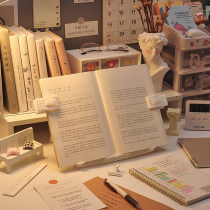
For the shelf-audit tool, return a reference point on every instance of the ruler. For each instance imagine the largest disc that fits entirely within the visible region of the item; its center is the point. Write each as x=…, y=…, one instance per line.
x=24, y=180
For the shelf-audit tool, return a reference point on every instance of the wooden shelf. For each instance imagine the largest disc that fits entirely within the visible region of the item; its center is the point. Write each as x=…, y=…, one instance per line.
x=9, y=121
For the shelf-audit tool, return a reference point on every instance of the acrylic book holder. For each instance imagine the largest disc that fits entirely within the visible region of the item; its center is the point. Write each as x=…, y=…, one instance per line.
x=153, y=102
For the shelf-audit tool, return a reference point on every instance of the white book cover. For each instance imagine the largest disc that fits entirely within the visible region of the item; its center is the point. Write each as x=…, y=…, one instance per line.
x=33, y=61
x=26, y=67
x=18, y=71
x=41, y=58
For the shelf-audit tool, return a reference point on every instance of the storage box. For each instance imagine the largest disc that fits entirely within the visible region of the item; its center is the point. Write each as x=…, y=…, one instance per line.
x=186, y=44
x=192, y=82
x=102, y=60
x=187, y=60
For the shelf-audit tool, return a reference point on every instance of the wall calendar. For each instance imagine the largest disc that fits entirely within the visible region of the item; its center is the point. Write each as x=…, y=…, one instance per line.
x=121, y=21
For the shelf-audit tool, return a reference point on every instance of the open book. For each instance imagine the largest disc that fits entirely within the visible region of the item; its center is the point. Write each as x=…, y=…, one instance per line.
x=102, y=113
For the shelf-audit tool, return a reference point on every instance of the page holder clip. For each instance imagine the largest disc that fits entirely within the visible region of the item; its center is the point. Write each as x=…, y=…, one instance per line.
x=156, y=101
x=41, y=105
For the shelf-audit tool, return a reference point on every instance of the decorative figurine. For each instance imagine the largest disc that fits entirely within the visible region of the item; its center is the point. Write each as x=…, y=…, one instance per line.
x=151, y=45
x=173, y=115
x=200, y=19
x=152, y=40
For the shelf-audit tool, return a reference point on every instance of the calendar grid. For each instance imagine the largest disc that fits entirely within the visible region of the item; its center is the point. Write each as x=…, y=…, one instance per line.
x=121, y=21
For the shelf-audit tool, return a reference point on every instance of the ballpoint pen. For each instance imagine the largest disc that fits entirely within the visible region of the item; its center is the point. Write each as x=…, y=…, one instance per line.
x=118, y=190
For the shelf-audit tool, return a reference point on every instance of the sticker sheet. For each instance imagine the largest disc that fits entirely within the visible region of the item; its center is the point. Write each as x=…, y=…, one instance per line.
x=121, y=21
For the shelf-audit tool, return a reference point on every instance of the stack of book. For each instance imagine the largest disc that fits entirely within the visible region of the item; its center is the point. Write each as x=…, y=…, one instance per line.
x=26, y=57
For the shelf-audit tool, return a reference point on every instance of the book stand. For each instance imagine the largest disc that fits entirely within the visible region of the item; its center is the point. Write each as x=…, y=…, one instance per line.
x=51, y=104
x=114, y=158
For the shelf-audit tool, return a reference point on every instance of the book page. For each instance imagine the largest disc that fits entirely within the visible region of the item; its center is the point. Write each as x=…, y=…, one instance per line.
x=80, y=129
x=133, y=126
x=68, y=194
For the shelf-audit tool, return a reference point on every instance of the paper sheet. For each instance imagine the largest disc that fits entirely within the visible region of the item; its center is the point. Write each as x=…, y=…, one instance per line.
x=46, y=14
x=68, y=194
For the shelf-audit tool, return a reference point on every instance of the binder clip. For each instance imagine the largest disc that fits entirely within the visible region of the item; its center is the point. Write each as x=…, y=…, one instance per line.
x=115, y=171
x=156, y=101
x=41, y=105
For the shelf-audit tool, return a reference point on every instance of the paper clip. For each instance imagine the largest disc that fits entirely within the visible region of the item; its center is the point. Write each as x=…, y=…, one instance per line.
x=115, y=171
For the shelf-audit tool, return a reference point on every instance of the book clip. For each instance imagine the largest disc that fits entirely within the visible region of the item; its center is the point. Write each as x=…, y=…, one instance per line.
x=115, y=171
x=156, y=101
x=41, y=105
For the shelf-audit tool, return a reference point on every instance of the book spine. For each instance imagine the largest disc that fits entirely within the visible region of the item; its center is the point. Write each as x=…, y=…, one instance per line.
x=26, y=72
x=34, y=66
x=62, y=57
x=157, y=186
x=10, y=99
x=18, y=72
x=52, y=58
x=1, y=94
x=41, y=59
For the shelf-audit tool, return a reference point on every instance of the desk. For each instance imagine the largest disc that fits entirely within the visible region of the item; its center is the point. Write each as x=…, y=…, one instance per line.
x=28, y=198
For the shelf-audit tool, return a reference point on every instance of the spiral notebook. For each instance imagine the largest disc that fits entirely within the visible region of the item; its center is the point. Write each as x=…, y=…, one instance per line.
x=197, y=150
x=176, y=179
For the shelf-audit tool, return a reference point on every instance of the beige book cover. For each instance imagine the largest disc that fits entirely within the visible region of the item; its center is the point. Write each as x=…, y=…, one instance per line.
x=41, y=57
x=18, y=71
x=33, y=61
x=52, y=58
x=26, y=66
x=61, y=52
x=197, y=150
x=8, y=80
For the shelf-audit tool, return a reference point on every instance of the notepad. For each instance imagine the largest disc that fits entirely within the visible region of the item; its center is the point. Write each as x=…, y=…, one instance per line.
x=198, y=150
x=174, y=178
